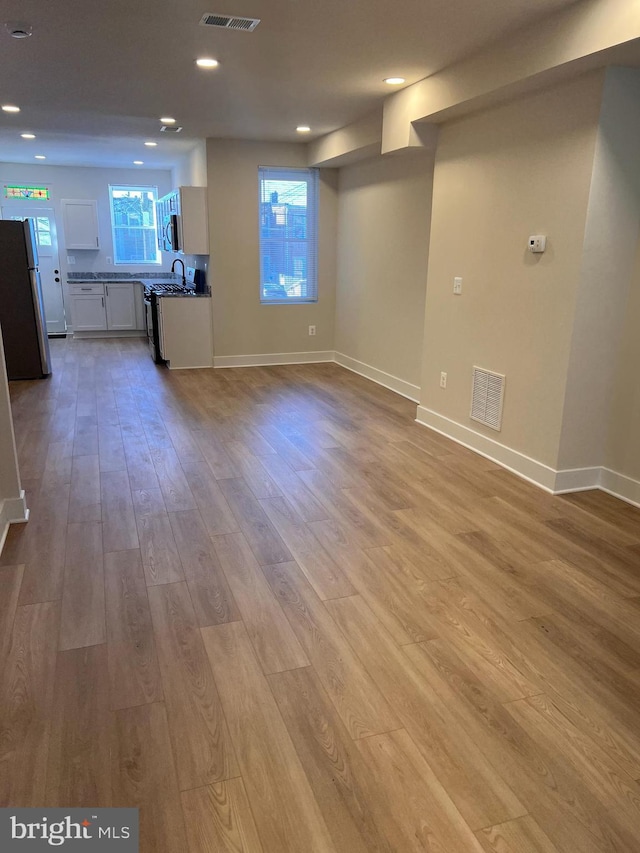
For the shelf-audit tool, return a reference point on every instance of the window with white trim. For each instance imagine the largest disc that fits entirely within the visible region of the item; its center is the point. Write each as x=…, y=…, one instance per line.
x=133, y=225
x=288, y=223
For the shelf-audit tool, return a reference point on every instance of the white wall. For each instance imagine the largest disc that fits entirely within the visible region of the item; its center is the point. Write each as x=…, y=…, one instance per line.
x=383, y=247
x=93, y=183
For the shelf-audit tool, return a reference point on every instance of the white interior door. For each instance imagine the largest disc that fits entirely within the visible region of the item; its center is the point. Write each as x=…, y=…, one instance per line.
x=49, y=261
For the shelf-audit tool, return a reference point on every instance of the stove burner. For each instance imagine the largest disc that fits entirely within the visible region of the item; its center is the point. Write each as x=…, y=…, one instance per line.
x=169, y=288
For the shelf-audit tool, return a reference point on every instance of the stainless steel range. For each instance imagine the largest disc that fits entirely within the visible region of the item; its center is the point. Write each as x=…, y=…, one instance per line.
x=152, y=292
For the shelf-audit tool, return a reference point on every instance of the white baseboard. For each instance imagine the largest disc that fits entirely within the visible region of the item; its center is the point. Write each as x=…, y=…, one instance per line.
x=188, y=366
x=124, y=333
x=547, y=478
x=524, y=466
x=394, y=383
x=620, y=486
x=12, y=511
x=387, y=380
x=576, y=480
x=273, y=358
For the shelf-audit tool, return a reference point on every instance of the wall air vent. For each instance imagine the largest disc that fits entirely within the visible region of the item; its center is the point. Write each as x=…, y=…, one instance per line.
x=487, y=395
x=170, y=129
x=229, y=22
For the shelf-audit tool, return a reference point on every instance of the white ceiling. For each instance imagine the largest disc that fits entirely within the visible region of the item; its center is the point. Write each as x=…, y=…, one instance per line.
x=94, y=77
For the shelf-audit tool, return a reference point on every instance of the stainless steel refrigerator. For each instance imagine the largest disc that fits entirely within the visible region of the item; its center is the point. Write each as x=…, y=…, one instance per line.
x=22, y=320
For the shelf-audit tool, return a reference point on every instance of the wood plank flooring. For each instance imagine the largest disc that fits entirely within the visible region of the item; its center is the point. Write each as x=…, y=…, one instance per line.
x=267, y=608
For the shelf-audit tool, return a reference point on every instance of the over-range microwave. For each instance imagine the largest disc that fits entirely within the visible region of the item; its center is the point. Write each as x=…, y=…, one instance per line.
x=182, y=221
x=170, y=236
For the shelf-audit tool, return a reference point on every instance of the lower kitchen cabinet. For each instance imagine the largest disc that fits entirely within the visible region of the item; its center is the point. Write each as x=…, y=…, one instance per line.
x=89, y=313
x=110, y=306
x=120, y=299
x=184, y=329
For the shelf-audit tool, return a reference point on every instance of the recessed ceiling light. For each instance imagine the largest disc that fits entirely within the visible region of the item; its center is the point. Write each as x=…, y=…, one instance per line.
x=151, y=144
x=138, y=162
x=19, y=30
x=206, y=62
x=394, y=81
x=28, y=135
x=10, y=108
x=167, y=120
x=303, y=128
x=40, y=157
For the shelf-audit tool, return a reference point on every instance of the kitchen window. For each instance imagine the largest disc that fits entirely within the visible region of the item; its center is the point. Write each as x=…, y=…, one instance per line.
x=133, y=224
x=288, y=235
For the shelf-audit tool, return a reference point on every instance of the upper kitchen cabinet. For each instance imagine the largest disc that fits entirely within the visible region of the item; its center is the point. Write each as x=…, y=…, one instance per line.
x=80, y=220
x=183, y=222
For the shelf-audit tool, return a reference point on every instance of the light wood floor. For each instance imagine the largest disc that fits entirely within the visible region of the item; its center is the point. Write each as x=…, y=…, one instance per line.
x=277, y=615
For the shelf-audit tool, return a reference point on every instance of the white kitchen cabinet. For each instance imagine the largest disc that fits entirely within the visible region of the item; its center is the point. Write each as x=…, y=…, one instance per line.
x=80, y=221
x=189, y=205
x=141, y=314
x=184, y=327
x=120, y=300
x=113, y=306
x=89, y=313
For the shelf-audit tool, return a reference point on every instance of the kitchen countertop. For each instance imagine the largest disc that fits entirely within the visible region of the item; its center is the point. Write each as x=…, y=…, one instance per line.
x=120, y=277
x=146, y=281
x=86, y=275
x=122, y=280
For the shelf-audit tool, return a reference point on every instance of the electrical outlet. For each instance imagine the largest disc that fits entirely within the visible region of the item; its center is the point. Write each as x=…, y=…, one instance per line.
x=109, y=261
x=312, y=330
x=537, y=243
x=457, y=285
x=443, y=380
x=71, y=259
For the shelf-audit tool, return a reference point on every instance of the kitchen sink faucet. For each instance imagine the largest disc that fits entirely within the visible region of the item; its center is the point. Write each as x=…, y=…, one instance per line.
x=173, y=269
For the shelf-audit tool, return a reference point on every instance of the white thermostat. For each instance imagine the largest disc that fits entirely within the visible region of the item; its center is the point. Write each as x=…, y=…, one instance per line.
x=537, y=243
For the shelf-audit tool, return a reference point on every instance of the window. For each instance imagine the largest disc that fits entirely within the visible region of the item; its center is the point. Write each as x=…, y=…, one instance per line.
x=42, y=228
x=288, y=235
x=133, y=222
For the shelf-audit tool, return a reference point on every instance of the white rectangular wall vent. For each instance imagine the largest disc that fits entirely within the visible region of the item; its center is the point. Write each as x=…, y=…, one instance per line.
x=487, y=396
x=229, y=22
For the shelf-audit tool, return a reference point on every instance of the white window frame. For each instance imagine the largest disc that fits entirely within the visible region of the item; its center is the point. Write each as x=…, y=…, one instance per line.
x=311, y=176
x=153, y=228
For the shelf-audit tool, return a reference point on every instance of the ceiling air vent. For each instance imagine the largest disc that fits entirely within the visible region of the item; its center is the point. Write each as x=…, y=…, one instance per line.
x=170, y=129
x=229, y=22
x=487, y=395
